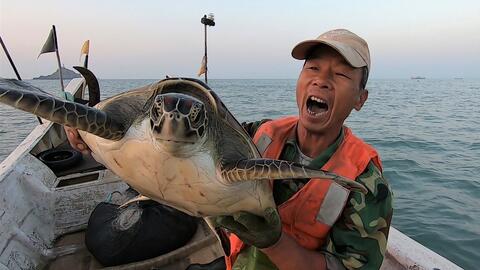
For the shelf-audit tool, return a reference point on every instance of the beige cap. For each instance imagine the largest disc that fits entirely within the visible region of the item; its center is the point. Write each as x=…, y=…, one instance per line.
x=352, y=47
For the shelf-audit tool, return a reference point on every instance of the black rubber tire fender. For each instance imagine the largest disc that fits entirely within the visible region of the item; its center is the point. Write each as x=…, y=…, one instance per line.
x=56, y=158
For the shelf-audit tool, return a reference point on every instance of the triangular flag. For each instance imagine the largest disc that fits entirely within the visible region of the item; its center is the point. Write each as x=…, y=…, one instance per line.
x=203, y=67
x=85, y=47
x=49, y=45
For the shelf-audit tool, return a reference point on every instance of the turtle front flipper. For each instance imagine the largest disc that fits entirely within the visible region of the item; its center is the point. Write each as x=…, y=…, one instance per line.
x=272, y=169
x=31, y=99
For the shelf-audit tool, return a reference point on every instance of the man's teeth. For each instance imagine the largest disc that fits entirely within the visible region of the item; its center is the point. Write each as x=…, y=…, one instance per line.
x=314, y=113
x=317, y=100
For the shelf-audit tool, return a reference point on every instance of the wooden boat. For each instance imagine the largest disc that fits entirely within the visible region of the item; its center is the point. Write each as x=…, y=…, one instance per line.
x=44, y=213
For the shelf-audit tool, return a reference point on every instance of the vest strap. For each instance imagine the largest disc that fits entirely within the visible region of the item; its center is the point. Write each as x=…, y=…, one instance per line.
x=333, y=204
x=263, y=142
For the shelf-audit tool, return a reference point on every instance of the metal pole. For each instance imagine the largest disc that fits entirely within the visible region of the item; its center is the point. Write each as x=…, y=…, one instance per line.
x=206, y=57
x=207, y=21
x=85, y=64
x=58, y=58
x=14, y=68
x=10, y=59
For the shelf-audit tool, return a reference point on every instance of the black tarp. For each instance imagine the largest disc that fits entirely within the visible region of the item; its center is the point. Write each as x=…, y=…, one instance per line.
x=140, y=231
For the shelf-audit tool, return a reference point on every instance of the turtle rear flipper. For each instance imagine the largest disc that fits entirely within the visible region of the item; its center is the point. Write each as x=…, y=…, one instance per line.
x=272, y=169
x=29, y=98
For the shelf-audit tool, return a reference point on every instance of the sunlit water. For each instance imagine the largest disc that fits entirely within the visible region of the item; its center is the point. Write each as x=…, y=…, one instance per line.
x=427, y=133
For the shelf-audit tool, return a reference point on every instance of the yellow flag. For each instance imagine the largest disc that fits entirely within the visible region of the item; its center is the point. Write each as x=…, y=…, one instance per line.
x=85, y=47
x=203, y=67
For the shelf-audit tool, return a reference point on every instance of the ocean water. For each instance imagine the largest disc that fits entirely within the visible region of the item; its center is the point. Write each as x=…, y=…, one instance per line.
x=427, y=133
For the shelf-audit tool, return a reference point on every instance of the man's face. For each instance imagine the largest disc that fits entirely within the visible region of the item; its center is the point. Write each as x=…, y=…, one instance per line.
x=328, y=88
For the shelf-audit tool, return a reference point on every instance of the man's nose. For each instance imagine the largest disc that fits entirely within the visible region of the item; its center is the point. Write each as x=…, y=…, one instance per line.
x=323, y=80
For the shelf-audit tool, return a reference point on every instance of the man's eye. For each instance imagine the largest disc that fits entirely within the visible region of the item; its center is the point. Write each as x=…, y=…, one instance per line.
x=342, y=75
x=312, y=68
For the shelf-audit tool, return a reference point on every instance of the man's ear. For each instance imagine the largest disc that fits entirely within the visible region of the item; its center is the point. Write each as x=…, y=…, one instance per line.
x=361, y=99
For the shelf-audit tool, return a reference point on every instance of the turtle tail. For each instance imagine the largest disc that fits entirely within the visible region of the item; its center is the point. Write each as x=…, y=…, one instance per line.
x=31, y=99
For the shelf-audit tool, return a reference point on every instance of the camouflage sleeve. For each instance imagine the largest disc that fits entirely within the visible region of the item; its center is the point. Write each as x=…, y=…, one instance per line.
x=252, y=127
x=359, y=237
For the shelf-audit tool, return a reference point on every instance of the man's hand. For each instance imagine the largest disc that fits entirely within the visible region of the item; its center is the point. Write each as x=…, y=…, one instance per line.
x=75, y=141
x=261, y=232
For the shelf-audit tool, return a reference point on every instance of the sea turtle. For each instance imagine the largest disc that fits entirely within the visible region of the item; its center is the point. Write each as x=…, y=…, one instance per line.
x=175, y=142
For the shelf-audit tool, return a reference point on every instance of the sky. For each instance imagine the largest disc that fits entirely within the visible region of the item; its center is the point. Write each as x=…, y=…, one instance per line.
x=251, y=39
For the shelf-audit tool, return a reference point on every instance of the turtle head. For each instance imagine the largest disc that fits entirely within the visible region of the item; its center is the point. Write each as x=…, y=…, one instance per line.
x=178, y=122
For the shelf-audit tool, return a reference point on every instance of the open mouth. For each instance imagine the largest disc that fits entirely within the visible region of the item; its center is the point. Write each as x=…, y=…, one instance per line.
x=316, y=106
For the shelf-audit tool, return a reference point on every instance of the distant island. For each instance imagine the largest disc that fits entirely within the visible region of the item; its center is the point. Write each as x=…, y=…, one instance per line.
x=67, y=74
x=417, y=78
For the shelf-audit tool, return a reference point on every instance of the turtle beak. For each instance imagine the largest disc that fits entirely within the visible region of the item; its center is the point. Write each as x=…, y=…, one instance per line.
x=174, y=128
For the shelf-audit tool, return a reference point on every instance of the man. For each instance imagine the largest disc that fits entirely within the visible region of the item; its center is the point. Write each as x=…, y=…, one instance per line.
x=322, y=225
x=317, y=232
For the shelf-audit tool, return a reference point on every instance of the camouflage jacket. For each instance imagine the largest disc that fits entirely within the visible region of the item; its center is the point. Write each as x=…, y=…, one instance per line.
x=358, y=239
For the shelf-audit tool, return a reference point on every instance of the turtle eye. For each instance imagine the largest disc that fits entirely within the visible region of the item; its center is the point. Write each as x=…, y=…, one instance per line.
x=201, y=130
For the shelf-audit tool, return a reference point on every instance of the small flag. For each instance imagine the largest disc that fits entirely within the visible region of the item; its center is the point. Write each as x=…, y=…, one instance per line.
x=85, y=48
x=203, y=67
x=84, y=51
x=49, y=45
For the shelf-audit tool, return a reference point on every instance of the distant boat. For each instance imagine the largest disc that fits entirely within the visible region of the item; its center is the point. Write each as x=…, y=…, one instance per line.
x=67, y=74
x=458, y=78
x=417, y=78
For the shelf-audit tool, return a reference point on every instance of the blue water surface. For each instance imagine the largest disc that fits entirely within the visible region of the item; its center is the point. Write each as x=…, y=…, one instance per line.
x=426, y=131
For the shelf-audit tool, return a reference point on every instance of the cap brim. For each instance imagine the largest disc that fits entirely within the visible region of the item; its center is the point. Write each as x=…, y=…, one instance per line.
x=301, y=50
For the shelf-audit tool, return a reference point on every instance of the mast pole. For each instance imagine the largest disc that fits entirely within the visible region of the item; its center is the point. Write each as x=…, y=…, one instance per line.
x=14, y=68
x=10, y=60
x=206, y=57
x=58, y=58
x=207, y=21
x=85, y=63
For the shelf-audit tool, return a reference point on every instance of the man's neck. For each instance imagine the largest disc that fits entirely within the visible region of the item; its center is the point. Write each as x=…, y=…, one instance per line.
x=313, y=144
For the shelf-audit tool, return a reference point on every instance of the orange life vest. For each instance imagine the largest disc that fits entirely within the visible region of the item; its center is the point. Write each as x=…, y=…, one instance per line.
x=309, y=214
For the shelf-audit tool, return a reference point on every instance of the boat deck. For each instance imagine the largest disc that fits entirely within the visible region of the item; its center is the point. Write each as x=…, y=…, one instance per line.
x=82, y=259
x=203, y=248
